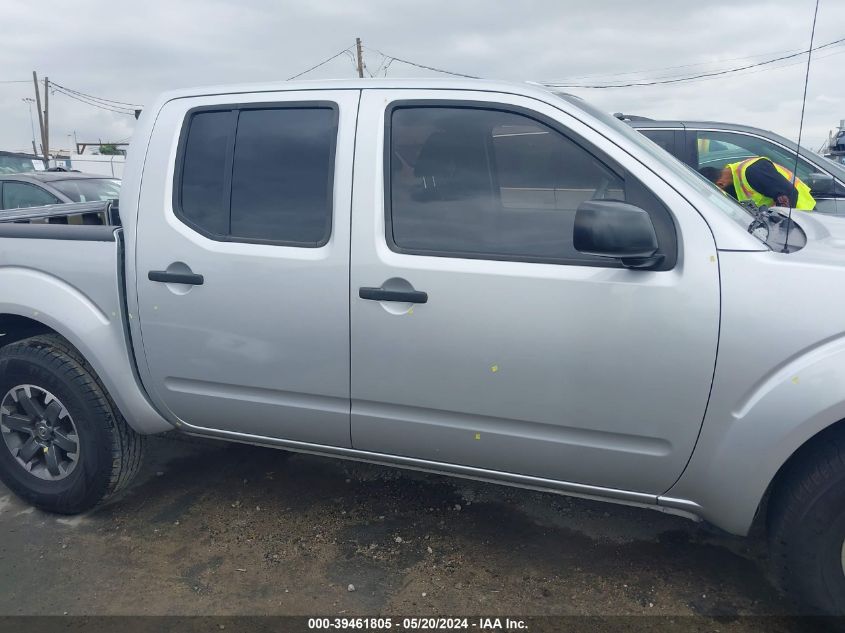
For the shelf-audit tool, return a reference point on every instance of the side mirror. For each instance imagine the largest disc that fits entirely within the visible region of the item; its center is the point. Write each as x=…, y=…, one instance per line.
x=617, y=230
x=820, y=183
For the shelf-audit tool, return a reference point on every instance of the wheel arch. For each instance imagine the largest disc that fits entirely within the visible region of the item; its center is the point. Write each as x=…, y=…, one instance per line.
x=36, y=303
x=746, y=447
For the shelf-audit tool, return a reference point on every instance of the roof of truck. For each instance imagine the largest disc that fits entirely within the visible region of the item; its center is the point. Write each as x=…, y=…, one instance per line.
x=424, y=83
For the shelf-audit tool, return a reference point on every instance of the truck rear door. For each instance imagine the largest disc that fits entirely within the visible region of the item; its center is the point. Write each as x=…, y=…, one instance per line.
x=242, y=263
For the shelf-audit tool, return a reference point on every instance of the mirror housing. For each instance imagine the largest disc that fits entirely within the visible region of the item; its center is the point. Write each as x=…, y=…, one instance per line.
x=618, y=230
x=820, y=183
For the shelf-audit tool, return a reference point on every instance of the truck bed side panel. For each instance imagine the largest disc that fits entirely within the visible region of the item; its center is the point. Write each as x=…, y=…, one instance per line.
x=72, y=285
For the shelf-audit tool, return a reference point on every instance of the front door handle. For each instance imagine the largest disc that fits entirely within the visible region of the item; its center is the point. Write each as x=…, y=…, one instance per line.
x=402, y=296
x=168, y=277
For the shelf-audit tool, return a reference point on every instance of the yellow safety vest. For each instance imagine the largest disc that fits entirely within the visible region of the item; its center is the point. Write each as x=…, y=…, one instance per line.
x=745, y=191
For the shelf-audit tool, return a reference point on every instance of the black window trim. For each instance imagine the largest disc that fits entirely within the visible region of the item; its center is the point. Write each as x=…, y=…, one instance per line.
x=235, y=109
x=670, y=250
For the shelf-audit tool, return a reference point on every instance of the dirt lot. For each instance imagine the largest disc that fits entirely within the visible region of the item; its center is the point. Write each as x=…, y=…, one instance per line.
x=230, y=529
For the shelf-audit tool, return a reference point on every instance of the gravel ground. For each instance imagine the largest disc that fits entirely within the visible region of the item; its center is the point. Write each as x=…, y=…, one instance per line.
x=230, y=529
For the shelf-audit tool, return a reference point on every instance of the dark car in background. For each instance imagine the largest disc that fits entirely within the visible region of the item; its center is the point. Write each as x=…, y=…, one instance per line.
x=16, y=162
x=711, y=144
x=35, y=189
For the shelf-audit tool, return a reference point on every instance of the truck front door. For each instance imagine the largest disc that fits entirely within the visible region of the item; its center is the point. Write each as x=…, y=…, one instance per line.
x=242, y=263
x=480, y=337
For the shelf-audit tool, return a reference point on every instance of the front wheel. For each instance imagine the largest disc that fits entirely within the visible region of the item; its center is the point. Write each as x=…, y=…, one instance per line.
x=807, y=526
x=64, y=446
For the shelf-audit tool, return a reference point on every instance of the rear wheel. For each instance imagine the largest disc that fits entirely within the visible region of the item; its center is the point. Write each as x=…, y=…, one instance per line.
x=807, y=526
x=65, y=447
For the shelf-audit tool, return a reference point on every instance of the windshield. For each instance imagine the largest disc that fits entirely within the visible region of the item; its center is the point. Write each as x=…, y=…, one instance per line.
x=89, y=189
x=15, y=165
x=705, y=188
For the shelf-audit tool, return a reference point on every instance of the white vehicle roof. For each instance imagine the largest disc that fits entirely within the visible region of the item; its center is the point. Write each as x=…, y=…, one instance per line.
x=523, y=88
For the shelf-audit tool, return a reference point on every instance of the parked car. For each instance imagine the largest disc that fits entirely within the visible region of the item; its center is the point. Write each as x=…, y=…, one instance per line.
x=15, y=162
x=37, y=188
x=472, y=278
x=712, y=144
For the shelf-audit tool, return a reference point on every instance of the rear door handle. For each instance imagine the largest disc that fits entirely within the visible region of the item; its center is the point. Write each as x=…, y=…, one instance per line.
x=402, y=296
x=167, y=277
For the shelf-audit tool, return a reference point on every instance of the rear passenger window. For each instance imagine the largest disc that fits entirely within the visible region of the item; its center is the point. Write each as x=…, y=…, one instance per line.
x=259, y=174
x=491, y=184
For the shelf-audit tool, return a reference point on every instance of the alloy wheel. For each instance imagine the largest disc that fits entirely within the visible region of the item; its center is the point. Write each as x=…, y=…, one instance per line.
x=39, y=432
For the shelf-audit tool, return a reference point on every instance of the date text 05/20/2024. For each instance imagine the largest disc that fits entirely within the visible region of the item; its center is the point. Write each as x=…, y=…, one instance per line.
x=418, y=624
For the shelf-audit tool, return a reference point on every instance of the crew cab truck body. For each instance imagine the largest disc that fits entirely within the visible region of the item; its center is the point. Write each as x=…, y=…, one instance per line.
x=481, y=279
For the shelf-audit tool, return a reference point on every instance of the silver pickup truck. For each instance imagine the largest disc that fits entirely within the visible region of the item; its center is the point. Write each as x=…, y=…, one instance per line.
x=480, y=279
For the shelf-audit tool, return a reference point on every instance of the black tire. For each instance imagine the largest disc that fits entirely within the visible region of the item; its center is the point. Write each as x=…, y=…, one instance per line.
x=109, y=454
x=807, y=526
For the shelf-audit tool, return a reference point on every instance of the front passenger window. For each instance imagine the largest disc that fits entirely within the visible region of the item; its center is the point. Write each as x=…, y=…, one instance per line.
x=492, y=184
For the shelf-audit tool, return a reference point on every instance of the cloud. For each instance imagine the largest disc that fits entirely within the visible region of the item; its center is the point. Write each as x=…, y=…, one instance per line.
x=131, y=52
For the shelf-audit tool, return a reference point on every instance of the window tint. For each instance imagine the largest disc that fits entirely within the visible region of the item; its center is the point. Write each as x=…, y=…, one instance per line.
x=17, y=195
x=259, y=174
x=717, y=149
x=203, y=201
x=280, y=184
x=664, y=138
x=492, y=184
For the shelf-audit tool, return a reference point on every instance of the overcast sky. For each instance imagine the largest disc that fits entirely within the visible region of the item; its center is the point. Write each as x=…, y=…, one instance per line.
x=131, y=51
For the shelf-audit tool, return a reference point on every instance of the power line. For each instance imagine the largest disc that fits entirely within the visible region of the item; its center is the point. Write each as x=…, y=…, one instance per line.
x=94, y=104
x=387, y=66
x=322, y=63
x=105, y=101
x=798, y=62
x=424, y=66
x=693, y=77
x=794, y=62
x=664, y=68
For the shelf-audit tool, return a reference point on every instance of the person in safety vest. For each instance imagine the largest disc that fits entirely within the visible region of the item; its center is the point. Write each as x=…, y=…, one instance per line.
x=763, y=182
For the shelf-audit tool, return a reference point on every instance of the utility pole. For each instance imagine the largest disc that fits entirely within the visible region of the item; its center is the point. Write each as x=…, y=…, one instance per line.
x=45, y=158
x=47, y=118
x=360, y=56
